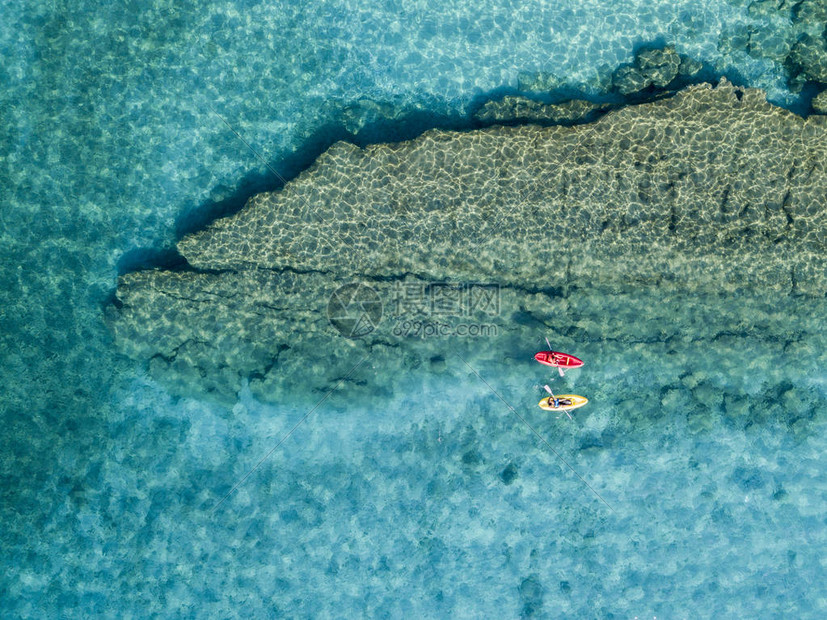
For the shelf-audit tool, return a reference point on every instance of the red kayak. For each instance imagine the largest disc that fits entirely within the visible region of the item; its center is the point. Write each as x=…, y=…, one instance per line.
x=555, y=359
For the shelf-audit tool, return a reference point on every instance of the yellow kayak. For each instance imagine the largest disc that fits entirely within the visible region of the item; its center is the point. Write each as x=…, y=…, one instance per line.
x=567, y=402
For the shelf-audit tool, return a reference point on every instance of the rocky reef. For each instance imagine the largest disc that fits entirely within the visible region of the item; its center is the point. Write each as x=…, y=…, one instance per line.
x=513, y=108
x=820, y=103
x=714, y=188
x=655, y=68
x=711, y=193
x=792, y=34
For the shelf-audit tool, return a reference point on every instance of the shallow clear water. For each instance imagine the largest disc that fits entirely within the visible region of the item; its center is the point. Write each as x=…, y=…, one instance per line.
x=396, y=503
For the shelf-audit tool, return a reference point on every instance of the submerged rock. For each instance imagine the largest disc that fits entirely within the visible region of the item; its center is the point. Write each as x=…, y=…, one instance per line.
x=356, y=116
x=768, y=43
x=820, y=103
x=532, y=593
x=509, y=474
x=791, y=34
x=514, y=108
x=811, y=12
x=629, y=79
x=539, y=82
x=807, y=61
x=808, y=58
x=703, y=190
x=766, y=8
x=659, y=66
x=656, y=68
x=711, y=192
x=689, y=66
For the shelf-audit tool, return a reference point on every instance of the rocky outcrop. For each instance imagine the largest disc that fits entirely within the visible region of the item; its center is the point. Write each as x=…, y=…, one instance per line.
x=712, y=192
x=820, y=103
x=712, y=188
x=522, y=109
x=655, y=68
x=792, y=34
x=808, y=58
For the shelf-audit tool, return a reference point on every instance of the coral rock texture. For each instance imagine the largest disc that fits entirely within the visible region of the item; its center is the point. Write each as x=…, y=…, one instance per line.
x=711, y=192
x=820, y=103
x=514, y=108
x=713, y=188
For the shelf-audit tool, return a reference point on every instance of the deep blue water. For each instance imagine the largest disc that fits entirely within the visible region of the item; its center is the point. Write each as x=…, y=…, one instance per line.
x=114, y=139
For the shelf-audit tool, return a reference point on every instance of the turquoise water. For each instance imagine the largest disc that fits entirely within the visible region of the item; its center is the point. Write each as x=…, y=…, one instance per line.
x=397, y=504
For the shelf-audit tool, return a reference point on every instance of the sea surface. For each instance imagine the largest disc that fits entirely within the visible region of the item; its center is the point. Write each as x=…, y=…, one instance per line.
x=124, y=126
